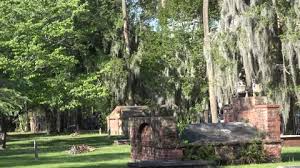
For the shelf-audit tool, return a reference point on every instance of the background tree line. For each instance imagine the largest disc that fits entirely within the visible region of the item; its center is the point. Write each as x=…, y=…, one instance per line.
x=76, y=58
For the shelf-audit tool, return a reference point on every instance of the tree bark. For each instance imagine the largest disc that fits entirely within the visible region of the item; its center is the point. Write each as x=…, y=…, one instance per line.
x=209, y=63
x=4, y=140
x=125, y=28
x=163, y=3
x=78, y=119
x=58, y=121
x=3, y=130
x=33, y=123
x=50, y=120
x=27, y=125
x=130, y=99
x=206, y=117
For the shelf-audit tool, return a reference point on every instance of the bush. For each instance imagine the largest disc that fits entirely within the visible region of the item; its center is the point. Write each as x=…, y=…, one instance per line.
x=203, y=152
x=240, y=153
x=252, y=153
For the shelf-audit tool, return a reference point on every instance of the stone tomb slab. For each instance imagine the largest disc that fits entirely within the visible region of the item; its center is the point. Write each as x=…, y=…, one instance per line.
x=220, y=133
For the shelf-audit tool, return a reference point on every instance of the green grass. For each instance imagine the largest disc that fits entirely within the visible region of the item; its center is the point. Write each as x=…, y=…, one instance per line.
x=52, y=153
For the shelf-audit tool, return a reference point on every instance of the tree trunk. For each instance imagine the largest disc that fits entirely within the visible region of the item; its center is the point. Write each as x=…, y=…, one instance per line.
x=58, y=121
x=78, y=119
x=50, y=120
x=209, y=64
x=65, y=122
x=4, y=140
x=33, y=123
x=163, y=3
x=27, y=125
x=125, y=29
x=206, y=116
x=130, y=99
x=3, y=130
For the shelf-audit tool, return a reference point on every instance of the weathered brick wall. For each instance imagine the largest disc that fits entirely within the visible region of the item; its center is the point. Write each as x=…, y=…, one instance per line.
x=261, y=115
x=115, y=126
x=291, y=140
x=154, y=138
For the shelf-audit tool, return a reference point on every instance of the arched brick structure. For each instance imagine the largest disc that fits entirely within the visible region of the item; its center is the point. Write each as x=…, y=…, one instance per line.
x=145, y=139
x=145, y=134
x=154, y=138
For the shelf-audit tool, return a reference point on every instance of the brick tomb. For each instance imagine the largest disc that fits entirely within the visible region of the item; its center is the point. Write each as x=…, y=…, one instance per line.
x=261, y=115
x=154, y=138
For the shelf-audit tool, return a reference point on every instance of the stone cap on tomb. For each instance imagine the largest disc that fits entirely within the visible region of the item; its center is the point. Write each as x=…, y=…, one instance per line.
x=221, y=133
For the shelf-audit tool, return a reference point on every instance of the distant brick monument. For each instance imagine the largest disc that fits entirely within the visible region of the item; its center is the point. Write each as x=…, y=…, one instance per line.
x=117, y=120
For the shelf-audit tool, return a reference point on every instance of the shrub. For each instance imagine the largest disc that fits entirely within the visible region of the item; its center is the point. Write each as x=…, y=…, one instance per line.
x=252, y=153
x=203, y=152
x=240, y=153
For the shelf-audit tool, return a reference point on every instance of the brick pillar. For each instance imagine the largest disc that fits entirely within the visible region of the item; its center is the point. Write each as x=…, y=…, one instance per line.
x=228, y=114
x=265, y=117
x=271, y=126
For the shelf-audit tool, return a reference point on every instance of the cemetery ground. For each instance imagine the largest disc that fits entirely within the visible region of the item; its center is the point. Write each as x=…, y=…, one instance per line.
x=53, y=152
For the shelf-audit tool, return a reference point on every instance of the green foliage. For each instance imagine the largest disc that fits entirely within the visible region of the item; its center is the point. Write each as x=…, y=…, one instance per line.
x=203, y=152
x=226, y=154
x=34, y=41
x=44, y=45
x=252, y=153
x=172, y=63
x=70, y=55
x=11, y=102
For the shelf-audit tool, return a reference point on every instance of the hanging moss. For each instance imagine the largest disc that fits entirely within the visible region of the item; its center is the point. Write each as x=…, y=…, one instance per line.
x=247, y=46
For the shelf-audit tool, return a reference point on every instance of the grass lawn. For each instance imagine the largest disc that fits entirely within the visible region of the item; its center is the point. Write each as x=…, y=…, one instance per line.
x=52, y=153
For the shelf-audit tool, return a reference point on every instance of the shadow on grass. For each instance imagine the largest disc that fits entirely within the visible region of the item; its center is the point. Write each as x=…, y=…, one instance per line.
x=65, y=159
x=17, y=137
x=21, y=136
x=55, y=145
x=99, y=166
x=20, y=151
x=290, y=156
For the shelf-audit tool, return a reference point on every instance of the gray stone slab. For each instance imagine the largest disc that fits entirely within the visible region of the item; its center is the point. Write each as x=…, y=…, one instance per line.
x=221, y=132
